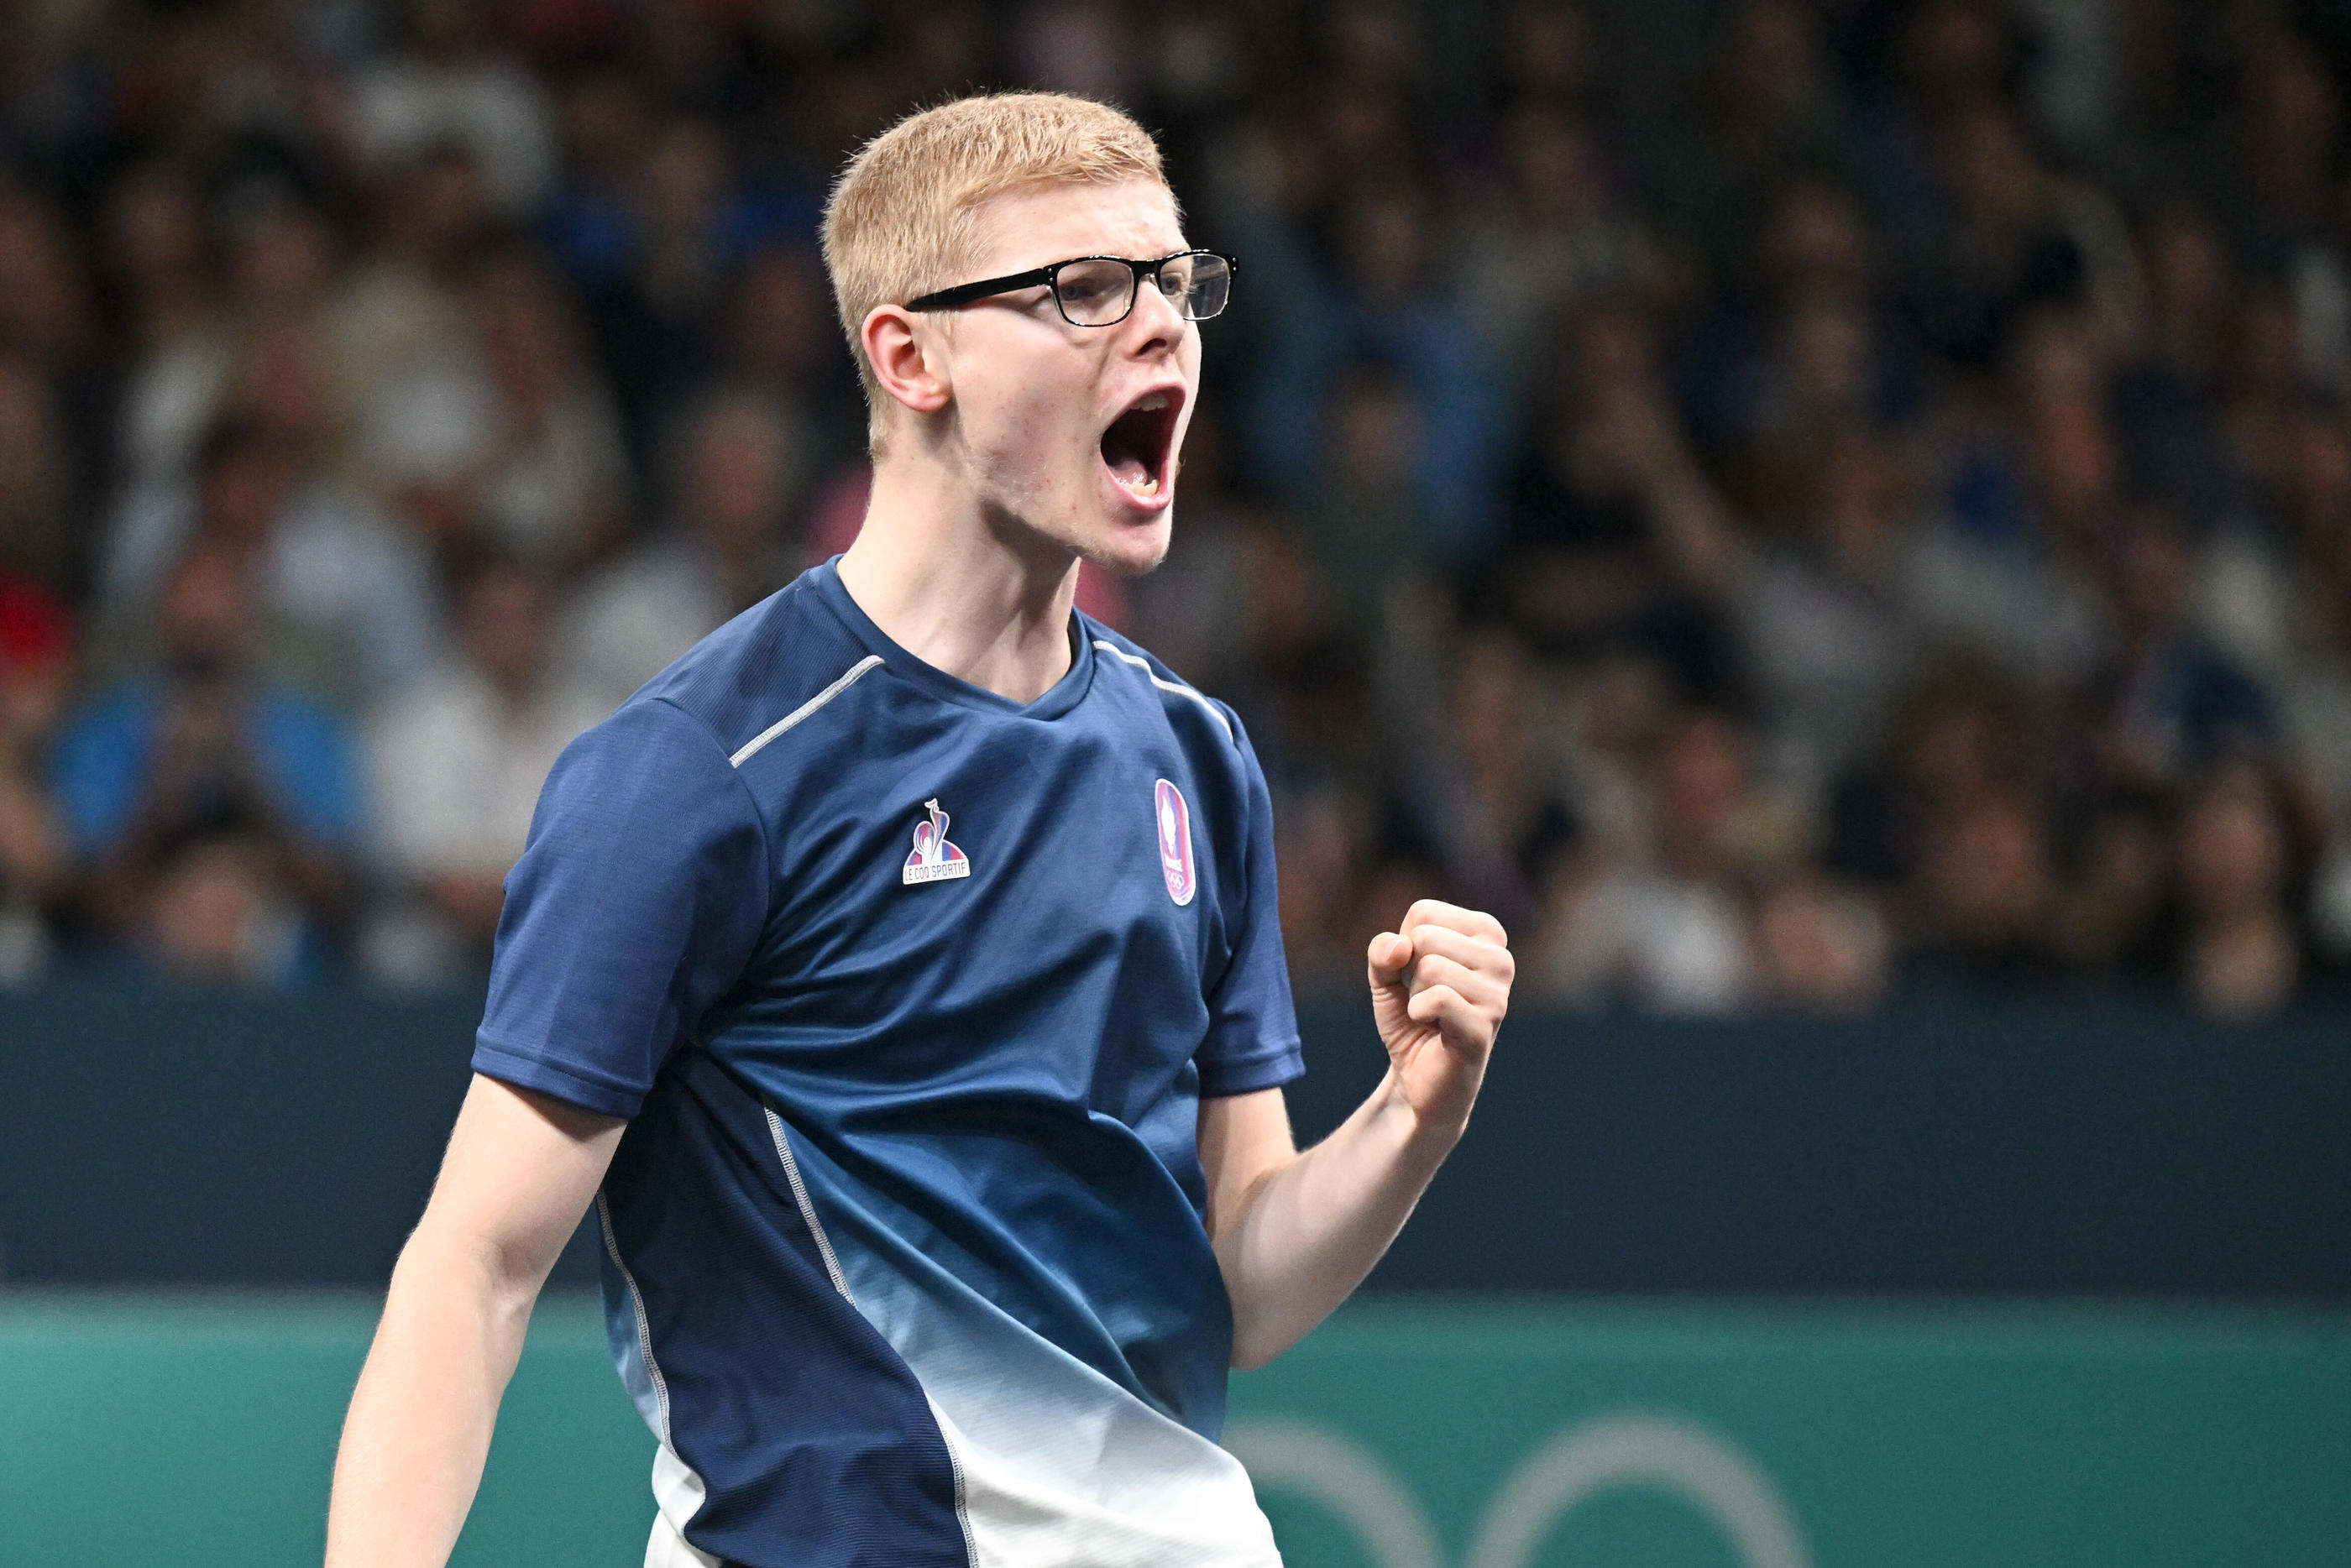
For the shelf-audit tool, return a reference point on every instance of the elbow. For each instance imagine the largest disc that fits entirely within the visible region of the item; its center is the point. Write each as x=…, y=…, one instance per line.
x=1256, y=1342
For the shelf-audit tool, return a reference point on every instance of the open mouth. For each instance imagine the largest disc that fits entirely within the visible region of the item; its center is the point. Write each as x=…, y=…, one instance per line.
x=1137, y=447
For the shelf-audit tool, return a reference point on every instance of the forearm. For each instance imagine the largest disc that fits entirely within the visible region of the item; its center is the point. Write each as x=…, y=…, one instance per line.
x=419, y=1427
x=1306, y=1232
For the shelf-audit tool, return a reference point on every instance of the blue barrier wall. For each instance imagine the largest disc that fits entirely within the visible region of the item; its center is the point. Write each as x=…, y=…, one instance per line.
x=150, y=1134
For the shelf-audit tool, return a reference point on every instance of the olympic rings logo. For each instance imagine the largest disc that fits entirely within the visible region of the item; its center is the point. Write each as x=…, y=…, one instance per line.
x=1624, y=1448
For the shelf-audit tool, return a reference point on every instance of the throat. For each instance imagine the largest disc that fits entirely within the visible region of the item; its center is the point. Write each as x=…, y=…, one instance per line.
x=965, y=604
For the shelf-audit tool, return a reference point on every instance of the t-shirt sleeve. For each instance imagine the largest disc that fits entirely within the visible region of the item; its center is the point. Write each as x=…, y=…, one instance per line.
x=1252, y=1040
x=637, y=903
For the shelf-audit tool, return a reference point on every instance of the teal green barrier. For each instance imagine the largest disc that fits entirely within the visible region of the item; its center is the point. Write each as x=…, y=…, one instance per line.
x=137, y=1431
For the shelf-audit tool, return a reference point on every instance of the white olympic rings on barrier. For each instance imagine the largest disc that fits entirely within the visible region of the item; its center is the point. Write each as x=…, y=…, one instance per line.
x=1607, y=1453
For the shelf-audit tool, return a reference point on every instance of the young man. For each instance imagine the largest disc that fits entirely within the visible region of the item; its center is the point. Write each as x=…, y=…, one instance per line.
x=898, y=973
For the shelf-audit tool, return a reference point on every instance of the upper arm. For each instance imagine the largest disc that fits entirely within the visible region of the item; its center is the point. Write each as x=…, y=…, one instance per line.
x=1244, y=1138
x=520, y=1169
x=637, y=903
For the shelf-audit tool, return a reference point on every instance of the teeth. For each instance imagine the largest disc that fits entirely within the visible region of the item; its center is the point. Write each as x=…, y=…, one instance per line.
x=1152, y=404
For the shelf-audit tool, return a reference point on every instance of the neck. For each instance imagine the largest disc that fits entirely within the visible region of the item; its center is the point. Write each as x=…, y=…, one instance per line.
x=986, y=601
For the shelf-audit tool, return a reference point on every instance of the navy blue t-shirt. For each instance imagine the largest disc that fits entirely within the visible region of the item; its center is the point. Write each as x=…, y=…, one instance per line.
x=910, y=992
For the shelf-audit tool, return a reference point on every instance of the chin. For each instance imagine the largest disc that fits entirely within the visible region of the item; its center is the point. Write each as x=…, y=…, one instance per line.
x=1131, y=549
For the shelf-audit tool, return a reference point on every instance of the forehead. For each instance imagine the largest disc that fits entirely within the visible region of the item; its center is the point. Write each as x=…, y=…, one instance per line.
x=1041, y=223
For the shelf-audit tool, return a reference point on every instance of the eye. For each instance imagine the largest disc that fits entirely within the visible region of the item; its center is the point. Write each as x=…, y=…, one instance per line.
x=1092, y=283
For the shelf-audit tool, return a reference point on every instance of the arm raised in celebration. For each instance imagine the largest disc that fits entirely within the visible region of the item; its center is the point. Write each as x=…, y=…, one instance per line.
x=1294, y=1233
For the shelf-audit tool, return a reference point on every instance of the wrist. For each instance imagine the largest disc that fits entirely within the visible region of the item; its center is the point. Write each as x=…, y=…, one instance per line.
x=1417, y=1136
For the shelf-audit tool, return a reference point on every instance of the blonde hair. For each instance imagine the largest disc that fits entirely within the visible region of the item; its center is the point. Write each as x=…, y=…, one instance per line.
x=904, y=214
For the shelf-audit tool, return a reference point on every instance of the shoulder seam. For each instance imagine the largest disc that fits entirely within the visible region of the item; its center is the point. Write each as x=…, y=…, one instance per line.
x=752, y=747
x=1177, y=687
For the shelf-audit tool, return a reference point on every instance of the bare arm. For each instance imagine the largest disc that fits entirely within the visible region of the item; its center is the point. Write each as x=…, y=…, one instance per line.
x=1295, y=1233
x=520, y=1170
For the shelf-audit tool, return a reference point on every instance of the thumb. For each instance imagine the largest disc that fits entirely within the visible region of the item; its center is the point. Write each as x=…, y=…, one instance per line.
x=1390, y=956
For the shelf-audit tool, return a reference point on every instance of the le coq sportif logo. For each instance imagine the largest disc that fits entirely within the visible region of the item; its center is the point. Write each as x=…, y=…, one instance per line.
x=1607, y=1453
x=933, y=859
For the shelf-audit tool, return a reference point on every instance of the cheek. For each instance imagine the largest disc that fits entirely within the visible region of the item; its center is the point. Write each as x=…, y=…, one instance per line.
x=1041, y=411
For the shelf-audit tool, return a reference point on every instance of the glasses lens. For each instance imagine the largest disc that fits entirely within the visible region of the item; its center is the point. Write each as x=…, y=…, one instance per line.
x=1094, y=293
x=1206, y=282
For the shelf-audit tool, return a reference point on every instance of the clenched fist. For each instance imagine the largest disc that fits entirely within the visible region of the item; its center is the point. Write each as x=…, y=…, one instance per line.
x=1440, y=985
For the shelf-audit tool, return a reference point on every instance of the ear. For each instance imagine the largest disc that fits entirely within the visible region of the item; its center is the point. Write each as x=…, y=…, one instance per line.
x=907, y=367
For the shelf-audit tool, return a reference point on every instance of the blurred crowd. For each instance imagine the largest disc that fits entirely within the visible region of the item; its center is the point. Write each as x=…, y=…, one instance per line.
x=1786, y=502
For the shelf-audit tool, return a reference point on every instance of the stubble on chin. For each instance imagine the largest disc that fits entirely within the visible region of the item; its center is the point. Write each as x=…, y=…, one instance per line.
x=1129, y=562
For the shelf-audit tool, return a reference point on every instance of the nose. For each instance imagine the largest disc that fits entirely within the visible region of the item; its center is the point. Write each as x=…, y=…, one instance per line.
x=1156, y=322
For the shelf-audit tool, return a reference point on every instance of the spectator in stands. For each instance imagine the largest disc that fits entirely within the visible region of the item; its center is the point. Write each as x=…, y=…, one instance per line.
x=781, y=338
x=505, y=439
x=1776, y=104
x=46, y=304
x=2241, y=949
x=1824, y=614
x=36, y=645
x=404, y=302
x=447, y=88
x=283, y=255
x=2283, y=196
x=2167, y=394
x=1364, y=527
x=727, y=547
x=2008, y=571
x=35, y=483
x=1488, y=797
x=1545, y=241
x=1317, y=873
x=36, y=635
x=1546, y=52
x=1670, y=930
x=1797, y=353
x=204, y=786
x=1818, y=948
x=2012, y=238
x=1987, y=897
x=1960, y=735
x=49, y=335
x=2171, y=703
x=2116, y=899
x=1380, y=299
x=345, y=595
x=2263, y=393
x=456, y=766
x=177, y=342
x=1606, y=503
x=218, y=906
x=677, y=224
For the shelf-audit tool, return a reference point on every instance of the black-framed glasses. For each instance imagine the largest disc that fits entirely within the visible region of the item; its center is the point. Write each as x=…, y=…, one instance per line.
x=1100, y=291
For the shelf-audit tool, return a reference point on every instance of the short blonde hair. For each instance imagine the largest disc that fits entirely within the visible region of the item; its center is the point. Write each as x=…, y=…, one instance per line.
x=904, y=217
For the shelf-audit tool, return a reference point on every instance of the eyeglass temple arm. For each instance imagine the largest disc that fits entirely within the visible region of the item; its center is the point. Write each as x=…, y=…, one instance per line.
x=963, y=292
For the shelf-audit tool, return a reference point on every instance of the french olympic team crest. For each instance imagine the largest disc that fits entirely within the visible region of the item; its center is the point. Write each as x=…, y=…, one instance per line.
x=933, y=859
x=1174, y=842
